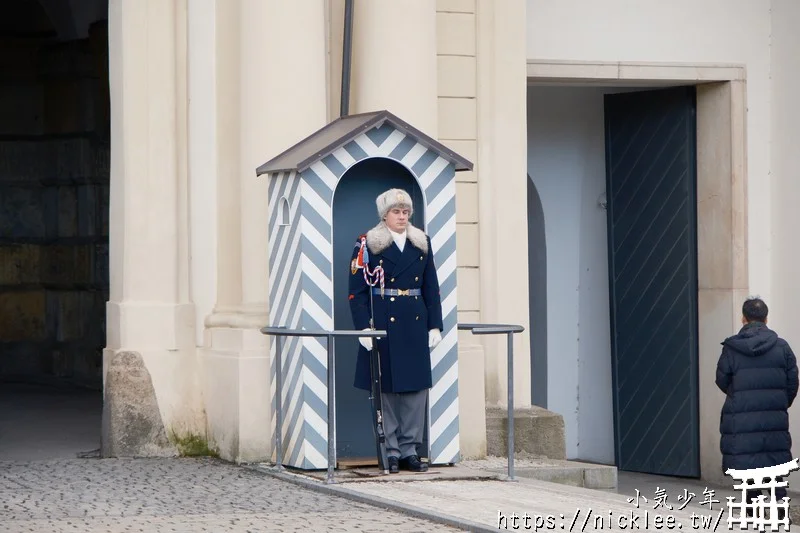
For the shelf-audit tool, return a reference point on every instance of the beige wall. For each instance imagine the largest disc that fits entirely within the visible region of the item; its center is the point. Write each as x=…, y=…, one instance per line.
x=456, y=50
x=449, y=48
x=722, y=246
x=457, y=76
x=256, y=118
x=784, y=215
x=150, y=309
x=473, y=109
x=456, y=26
x=211, y=293
x=188, y=222
x=723, y=32
x=502, y=183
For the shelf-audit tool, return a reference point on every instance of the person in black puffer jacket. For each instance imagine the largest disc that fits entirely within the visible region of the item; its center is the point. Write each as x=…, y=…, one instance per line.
x=757, y=371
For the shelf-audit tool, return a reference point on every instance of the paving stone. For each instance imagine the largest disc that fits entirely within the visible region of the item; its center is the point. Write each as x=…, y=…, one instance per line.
x=180, y=495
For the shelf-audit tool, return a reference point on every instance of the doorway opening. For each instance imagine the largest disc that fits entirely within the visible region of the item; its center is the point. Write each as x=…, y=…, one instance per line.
x=609, y=163
x=54, y=189
x=354, y=213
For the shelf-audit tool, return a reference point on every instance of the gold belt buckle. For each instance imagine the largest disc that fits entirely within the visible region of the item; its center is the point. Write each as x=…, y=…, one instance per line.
x=403, y=292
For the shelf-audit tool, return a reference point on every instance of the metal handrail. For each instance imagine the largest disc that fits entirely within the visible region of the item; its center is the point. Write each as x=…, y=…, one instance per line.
x=508, y=329
x=280, y=331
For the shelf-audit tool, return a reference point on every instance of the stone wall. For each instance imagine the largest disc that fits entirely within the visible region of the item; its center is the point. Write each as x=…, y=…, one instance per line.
x=54, y=187
x=457, y=96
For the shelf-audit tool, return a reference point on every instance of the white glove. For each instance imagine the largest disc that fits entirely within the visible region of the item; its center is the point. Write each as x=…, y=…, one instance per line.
x=366, y=342
x=434, y=337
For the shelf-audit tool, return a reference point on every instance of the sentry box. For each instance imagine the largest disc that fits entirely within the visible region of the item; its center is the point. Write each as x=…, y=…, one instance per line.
x=321, y=198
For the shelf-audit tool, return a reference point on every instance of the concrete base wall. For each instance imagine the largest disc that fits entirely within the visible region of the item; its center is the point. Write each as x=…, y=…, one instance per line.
x=537, y=432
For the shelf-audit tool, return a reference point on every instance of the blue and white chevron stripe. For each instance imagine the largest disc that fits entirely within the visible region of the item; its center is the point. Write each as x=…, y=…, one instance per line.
x=301, y=285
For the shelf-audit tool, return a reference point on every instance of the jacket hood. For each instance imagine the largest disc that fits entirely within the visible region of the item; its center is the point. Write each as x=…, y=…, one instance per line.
x=753, y=339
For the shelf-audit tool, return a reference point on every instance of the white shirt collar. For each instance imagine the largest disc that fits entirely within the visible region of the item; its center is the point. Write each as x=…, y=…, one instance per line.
x=399, y=239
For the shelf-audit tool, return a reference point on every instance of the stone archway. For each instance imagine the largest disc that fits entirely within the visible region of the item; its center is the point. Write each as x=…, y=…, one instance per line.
x=54, y=203
x=55, y=195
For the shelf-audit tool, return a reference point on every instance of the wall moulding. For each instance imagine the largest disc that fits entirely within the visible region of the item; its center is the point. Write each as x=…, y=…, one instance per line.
x=631, y=73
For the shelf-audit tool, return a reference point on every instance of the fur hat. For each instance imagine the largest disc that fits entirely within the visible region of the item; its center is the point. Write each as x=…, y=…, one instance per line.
x=393, y=198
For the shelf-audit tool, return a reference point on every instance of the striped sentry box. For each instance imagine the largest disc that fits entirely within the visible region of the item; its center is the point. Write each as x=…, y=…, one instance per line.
x=302, y=182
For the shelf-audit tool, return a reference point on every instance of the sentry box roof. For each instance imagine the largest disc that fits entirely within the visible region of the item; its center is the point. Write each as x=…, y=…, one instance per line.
x=343, y=130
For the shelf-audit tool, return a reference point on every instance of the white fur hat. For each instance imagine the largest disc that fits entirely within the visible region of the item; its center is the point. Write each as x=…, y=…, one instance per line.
x=393, y=198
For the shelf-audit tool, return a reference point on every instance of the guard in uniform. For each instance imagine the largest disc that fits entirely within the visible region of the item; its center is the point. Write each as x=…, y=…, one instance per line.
x=394, y=262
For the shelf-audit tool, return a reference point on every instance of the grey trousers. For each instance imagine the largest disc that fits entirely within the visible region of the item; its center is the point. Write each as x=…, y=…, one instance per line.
x=403, y=421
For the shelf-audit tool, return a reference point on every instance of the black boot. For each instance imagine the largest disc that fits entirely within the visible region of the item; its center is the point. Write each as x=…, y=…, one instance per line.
x=413, y=464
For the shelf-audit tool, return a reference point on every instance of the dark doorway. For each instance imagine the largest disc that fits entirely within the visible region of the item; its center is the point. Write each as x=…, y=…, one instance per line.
x=54, y=189
x=354, y=213
x=537, y=297
x=651, y=182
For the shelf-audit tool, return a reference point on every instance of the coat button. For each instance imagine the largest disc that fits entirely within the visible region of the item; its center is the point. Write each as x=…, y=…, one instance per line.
x=416, y=278
x=392, y=319
x=391, y=299
x=417, y=317
x=420, y=258
x=392, y=280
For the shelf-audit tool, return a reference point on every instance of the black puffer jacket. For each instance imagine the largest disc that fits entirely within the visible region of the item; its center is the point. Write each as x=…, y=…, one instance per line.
x=758, y=373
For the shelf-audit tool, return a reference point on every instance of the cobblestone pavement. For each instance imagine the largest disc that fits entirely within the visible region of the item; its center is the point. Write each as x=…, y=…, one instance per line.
x=174, y=495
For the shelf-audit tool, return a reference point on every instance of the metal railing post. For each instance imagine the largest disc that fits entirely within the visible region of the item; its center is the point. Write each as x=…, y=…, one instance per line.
x=510, y=405
x=280, y=331
x=477, y=329
x=331, y=412
x=509, y=330
x=278, y=406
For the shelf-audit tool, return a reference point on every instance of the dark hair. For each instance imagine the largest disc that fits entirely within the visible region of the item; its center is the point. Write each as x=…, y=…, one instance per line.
x=755, y=310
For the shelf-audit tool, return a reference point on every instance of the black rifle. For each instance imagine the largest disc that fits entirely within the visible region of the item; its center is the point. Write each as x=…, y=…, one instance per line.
x=375, y=396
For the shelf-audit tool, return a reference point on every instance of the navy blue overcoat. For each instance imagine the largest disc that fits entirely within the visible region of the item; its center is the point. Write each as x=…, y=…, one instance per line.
x=757, y=371
x=405, y=356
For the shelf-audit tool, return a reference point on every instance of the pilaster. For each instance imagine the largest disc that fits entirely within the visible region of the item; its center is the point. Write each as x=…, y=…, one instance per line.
x=270, y=93
x=394, y=60
x=149, y=309
x=502, y=175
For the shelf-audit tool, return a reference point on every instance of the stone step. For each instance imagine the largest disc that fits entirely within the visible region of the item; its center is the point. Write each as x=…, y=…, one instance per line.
x=564, y=472
x=537, y=431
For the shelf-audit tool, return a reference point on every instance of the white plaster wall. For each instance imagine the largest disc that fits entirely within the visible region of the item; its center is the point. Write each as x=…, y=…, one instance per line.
x=202, y=160
x=595, y=416
x=785, y=215
x=567, y=164
x=683, y=31
x=785, y=309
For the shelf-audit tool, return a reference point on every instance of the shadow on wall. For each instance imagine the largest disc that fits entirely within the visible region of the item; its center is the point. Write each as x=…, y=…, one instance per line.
x=537, y=298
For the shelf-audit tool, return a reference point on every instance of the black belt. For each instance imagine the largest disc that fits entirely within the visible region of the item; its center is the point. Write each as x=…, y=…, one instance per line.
x=397, y=292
